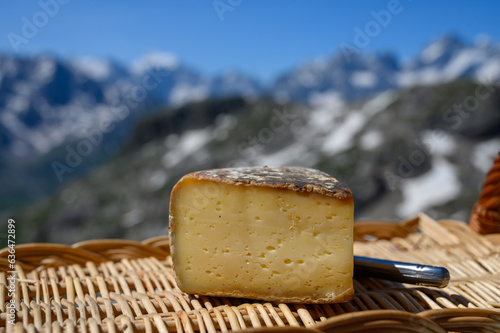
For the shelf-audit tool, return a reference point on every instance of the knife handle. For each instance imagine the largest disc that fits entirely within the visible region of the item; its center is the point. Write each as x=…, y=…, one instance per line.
x=403, y=272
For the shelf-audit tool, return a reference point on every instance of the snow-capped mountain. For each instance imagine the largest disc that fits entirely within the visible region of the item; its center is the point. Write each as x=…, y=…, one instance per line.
x=445, y=59
x=45, y=101
x=449, y=58
x=350, y=79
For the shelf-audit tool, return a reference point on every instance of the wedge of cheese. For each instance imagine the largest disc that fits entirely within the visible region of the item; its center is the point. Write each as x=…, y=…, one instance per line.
x=280, y=234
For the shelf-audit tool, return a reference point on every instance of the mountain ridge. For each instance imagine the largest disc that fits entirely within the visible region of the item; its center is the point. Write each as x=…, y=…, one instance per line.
x=51, y=107
x=45, y=100
x=444, y=59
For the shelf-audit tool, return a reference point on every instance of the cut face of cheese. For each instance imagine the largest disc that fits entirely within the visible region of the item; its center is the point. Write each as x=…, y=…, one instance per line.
x=267, y=237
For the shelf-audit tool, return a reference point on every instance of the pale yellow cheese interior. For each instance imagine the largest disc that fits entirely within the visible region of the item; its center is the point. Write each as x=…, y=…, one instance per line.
x=249, y=241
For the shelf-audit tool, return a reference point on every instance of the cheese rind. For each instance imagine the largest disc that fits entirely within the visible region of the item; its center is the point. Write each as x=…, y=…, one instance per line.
x=297, y=179
x=274, y=237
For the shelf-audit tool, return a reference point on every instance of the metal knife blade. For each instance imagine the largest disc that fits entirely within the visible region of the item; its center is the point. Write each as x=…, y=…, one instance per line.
x=403, y=272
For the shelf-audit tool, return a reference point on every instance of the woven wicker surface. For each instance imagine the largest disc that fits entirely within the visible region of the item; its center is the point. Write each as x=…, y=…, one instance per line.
x=116, y=285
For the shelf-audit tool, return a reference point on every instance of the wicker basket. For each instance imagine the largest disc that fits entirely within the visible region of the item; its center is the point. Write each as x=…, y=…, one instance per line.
x=118, y=285
x=485, y=217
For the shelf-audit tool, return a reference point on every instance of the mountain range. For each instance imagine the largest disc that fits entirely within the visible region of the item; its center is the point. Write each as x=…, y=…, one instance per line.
x=401, y=153
x=62, y=118
x=45, y=101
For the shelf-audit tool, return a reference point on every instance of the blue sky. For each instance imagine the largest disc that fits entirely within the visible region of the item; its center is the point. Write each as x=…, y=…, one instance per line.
x=262, y=38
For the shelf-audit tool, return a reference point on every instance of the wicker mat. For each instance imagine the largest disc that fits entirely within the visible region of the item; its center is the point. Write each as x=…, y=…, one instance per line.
x=117, y=285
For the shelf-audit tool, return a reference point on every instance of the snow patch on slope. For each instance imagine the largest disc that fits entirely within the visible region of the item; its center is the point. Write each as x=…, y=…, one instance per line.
x=94, y=68
x=439, y=142
x=438, y=186
x=378, y=103
x=484, y=154
x=490, y=71
x=371, y=140
x=185, y=145
x=183, y=93
x=432, y=52
x=341, y=137
x=44, y=70
x=283, y=156
x=364, y=79
x=459, y=64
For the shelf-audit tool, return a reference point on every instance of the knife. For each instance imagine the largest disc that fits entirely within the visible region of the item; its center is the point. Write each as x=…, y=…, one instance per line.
x=404, y=272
